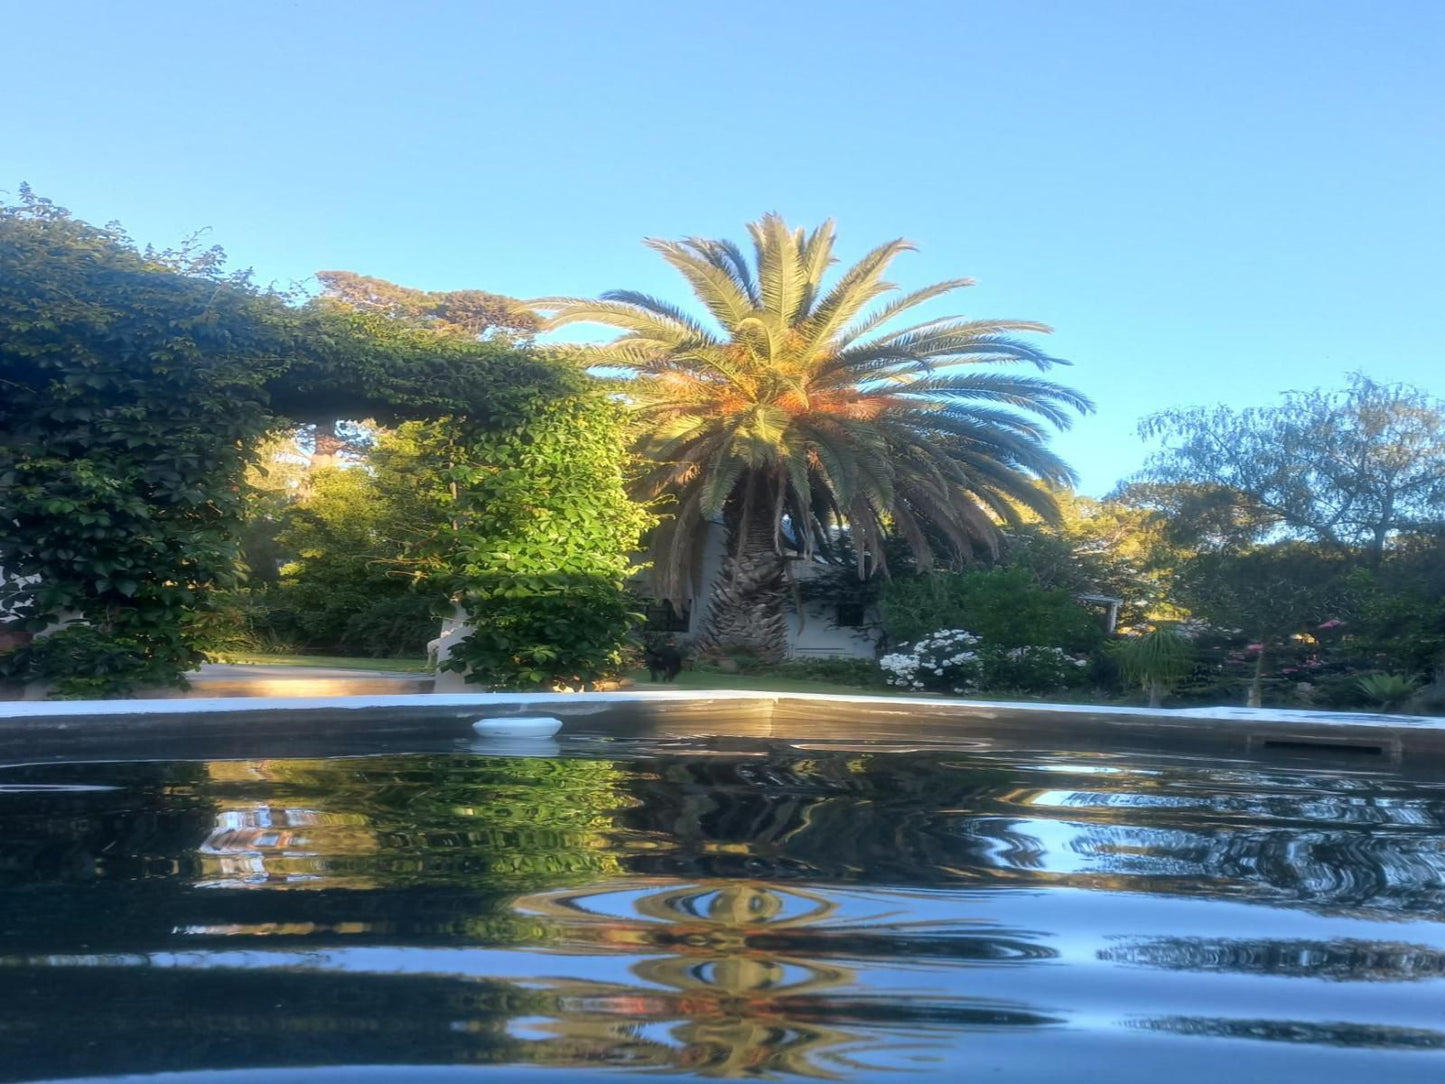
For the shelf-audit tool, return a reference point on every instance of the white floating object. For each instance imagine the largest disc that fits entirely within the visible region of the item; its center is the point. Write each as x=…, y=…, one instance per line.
x=517, y=726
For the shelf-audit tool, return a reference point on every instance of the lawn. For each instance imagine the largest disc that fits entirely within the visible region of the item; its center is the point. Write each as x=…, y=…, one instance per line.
x=333, y=662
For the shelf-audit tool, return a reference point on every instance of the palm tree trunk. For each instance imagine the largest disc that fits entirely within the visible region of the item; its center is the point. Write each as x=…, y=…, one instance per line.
x=746, y=610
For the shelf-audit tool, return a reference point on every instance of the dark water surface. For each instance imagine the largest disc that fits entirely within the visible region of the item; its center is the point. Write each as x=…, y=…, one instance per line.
x=734, y=909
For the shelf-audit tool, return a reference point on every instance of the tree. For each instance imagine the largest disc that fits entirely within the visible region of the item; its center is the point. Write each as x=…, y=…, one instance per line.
x=461, y=314
x=1269, y=594
x=468, y=314
x=1347, y=469
x=1007, y=607
x=137, y=387
x=797, y=414
x=1098, y=547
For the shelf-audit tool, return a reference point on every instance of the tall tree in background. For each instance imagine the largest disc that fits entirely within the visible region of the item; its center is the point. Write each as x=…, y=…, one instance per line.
x=463, y=314
x=1345, y=469
x=795, y=411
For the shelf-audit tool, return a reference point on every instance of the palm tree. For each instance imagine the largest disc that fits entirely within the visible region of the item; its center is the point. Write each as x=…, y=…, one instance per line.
x=800, y=413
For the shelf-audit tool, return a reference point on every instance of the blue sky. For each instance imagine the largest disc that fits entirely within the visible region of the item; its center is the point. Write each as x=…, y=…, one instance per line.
x=1209, y=201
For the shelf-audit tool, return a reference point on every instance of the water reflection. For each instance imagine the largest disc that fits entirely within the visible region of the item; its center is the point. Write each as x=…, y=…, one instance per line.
x=1341, y=960
x=734, y=911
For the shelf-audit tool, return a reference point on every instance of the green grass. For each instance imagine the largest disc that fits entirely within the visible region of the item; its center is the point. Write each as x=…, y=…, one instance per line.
x=330, y=662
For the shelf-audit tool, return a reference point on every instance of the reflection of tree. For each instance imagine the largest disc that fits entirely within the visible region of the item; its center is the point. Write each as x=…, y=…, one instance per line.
x=1342, y=960
x=923, y=819
x=1327, y=1033
x=502, y=822
x=724, y=884
x=749, y=977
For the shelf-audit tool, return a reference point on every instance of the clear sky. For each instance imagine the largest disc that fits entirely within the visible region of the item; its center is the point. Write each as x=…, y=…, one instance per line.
x=1209, y=200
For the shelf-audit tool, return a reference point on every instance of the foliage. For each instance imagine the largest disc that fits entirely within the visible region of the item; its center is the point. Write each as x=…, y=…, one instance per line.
x=1105, y=547
x=836, y=670
x=82, y=662
x=1388, y=691
x=1006, y=606
x=137, y=386
x=398, y=626
x=133, y=385
x=1344, y=469
x=1396, y=614
x=470, y=314
x=1269, y=594
x=540, y=544
x=349, y=585
x=1430, y=699
x=807, y=409
x=1156, y=660
x=957, y=661
x=947, y=661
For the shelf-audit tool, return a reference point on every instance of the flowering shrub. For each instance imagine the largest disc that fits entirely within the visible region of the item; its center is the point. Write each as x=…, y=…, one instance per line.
x=947, y=661
x=957, y=661
x=1033, y=669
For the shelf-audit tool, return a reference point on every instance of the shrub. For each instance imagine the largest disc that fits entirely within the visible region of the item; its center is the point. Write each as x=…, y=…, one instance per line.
x=1430, y=700
x=1387, y=691
x=1004, y=606
x=947, y=661
x=839, y=671
x=957, y=661
x=82, y=662
x=392, y=628
x=542, y=545
x=1157, y=661
x=554, y=630
x=1033, y=669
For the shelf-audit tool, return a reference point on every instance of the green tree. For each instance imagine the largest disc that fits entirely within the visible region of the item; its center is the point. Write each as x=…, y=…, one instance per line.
x=537, y=542
x=1269, y=594
x=1345, y=469
x=348, y=586
x=1104, y=547
x=134, y=384
x=136, y=389
x=1007, y=607
x=803, y=412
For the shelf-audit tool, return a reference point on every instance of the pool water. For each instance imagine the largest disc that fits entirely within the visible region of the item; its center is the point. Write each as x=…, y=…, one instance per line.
x=730, y=909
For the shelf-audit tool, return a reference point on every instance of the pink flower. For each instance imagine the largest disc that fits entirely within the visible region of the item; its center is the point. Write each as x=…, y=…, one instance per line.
x=1333, y=623
x=1254, y=647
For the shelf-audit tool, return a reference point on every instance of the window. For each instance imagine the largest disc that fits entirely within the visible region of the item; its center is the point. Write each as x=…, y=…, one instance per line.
x=850, y=615
x=661, y=617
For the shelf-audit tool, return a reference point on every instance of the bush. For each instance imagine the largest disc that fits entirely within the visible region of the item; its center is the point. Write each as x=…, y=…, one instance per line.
x=392, y=628
x=957, y=661
x=544, y=630
x=245, y=620
x=1004, y=606
x=1430, y=700
x=1033, y=669
x=948, y=661
x=855, y=672
x=1387, y=692
x=81, y=662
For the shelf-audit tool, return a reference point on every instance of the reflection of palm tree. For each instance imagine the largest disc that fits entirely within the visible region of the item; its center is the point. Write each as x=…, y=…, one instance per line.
x=738, y=1004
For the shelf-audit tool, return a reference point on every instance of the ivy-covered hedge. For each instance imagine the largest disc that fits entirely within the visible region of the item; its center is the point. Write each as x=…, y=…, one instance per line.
x=541, y=542
x=134, y=387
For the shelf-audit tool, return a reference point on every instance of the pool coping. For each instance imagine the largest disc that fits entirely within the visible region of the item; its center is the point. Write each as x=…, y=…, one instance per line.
x=75, y=712
x=321, y=726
